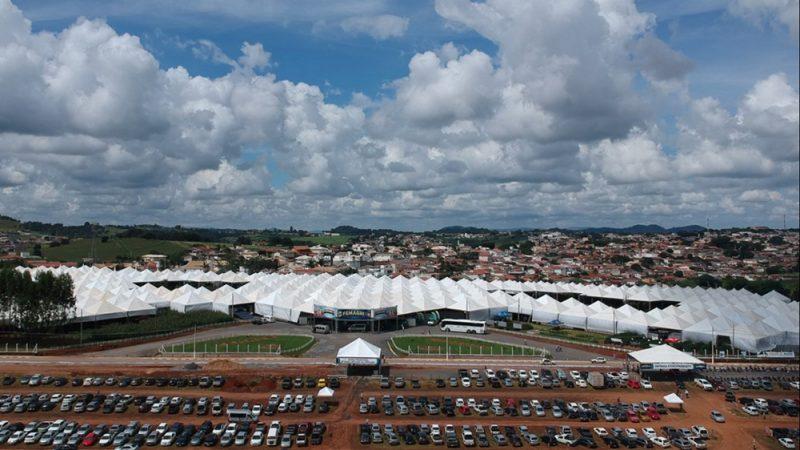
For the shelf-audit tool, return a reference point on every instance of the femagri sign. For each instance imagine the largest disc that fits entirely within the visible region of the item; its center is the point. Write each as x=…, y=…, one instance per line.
x=684, y=367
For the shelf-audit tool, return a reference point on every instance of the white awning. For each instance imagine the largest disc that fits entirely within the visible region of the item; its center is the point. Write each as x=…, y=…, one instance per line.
x=359, y=353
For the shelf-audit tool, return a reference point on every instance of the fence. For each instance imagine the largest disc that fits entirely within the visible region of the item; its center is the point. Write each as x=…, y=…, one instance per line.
x=16, y=348
x=204, y=348
x=505, y=349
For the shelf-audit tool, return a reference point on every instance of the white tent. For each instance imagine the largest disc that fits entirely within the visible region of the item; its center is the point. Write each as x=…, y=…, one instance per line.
x=359, y=353
x=325, y=392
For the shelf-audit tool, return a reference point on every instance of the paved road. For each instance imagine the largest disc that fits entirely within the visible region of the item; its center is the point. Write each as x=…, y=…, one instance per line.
x=328, y=344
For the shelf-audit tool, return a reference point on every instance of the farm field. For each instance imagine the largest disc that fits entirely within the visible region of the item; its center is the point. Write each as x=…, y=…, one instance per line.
x=127, y=248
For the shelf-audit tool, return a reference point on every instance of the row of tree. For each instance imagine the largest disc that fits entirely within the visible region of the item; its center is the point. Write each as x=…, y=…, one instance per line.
x=35, y=303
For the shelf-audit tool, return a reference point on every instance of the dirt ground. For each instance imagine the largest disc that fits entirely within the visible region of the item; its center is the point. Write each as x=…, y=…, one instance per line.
x=255, y=385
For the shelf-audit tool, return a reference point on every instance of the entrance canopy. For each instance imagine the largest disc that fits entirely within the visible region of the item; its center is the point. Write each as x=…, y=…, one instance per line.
x=359, y=353
x=665, y=357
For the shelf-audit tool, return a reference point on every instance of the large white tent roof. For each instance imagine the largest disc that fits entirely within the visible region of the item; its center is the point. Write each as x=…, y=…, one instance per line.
x=663, y=354
x=701, y=313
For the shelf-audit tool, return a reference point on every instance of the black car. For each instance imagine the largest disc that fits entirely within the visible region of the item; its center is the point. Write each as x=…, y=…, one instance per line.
x=210, y=440
x=286, y=383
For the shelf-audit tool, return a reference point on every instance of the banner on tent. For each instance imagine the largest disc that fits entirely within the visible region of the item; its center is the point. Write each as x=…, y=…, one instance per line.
x=358, y=361
x=328, y=312
x=671, y=366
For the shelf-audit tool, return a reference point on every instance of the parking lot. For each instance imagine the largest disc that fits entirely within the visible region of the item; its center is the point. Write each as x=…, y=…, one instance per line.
x=446, y=406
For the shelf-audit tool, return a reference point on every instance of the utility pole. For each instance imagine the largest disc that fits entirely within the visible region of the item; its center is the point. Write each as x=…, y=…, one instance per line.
x=194, y=344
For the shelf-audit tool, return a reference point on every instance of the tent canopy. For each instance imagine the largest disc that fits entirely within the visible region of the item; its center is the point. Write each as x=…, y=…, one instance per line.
x=325, y=392
x=673, y=398
x=359, y=353
x=663, y=354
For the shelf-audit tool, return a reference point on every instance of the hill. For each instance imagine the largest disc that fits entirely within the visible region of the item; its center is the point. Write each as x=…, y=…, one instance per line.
x=8, y=223
x=125, y=248
x=645, y=229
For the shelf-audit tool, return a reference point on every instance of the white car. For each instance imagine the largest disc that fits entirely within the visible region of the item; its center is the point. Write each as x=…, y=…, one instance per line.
x=787, y=442
x=717, y=416
x=761, y=404
x=575, y=374
x=649, y=433
x=631, y=433
x=581, y=383
x=697, y=442
x=660, y=441
x=489, y=373
x=564, y=439
x=623, y=376
x=600, y=431
x=751, y=410
x=474, y=373
x=599, y=360
x=795, y=385
x=646, y=384
x=465, y=382
x=168, y=439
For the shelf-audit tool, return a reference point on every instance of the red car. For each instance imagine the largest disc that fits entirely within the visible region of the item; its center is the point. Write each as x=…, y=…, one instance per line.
x=90, y=439
x=653, y=414
x=632, y=416
x=633, y=384
x=464, y=409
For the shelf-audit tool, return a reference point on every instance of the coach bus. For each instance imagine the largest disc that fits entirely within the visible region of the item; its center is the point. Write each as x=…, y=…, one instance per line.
x=463, y=326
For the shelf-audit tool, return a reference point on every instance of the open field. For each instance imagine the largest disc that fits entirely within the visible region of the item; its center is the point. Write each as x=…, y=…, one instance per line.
x=128, y=248
x=458, y=346
x=247, y=344
x=570, y=334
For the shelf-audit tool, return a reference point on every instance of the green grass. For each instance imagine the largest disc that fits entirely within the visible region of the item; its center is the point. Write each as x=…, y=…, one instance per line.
x=458, y=346
x=167, y=321
x=322, y=240
x=127, y=248
x=246, y=344
x=8, y=225
x=570, y=334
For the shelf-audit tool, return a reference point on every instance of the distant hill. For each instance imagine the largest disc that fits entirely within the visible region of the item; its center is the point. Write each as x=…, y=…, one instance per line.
x=8, y=223
x=645, y=229
x=354, y=231
x=457, y=229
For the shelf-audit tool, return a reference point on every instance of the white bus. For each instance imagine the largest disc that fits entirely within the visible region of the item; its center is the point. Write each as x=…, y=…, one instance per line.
x=463, y=326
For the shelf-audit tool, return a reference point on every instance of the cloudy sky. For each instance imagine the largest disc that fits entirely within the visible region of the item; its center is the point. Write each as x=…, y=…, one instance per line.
x=411, y=115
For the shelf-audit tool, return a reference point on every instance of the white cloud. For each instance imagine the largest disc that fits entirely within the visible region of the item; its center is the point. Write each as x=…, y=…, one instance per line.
x=381, y=27
x=771, y=12
x=635, y=159
x=555, y=129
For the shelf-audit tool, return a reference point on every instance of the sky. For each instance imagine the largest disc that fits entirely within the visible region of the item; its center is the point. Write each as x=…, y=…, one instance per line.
x=410, y=115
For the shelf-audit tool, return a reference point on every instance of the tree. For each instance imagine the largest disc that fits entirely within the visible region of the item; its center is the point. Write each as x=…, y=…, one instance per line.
x=43, y=302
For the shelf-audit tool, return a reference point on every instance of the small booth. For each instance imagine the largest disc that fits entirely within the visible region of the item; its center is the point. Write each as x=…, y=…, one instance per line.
x=361, y=357
x=674, y=401
x=664, y=362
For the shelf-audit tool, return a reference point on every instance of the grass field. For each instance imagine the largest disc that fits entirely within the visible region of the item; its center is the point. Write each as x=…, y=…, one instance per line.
x=459, y=346
x=129, y=248
x=570, y=334
x=8, y=225
x=322, y=240
x=247, y=344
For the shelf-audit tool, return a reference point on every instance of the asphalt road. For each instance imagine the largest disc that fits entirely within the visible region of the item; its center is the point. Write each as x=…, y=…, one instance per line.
x=328, y=344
